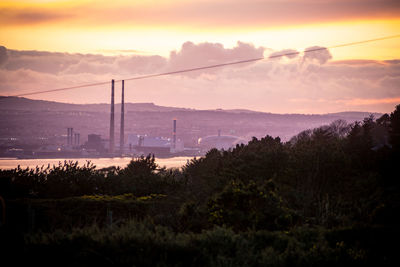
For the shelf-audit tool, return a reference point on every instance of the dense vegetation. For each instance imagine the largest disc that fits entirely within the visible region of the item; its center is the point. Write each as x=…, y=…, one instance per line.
x=328, y=197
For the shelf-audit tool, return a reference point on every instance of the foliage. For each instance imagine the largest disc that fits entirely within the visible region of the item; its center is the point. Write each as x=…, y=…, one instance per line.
x=330, y=196
x=145, y=244
x=249, y=206
x=66, y=179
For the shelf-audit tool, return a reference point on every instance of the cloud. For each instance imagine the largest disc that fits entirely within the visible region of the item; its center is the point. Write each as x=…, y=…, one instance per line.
x=311, y=83
x=321, y=54
x=65, y=63
x=288, y=53
x=3, y=55
x=202, y=13
x=205, y=54
x=31, y=16
x=123, y=51
x=369, y=101
x=39, y=61
x=141, y=64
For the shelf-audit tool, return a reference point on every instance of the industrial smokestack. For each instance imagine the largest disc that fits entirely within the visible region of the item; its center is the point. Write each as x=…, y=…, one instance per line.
x=71, y=136
x=111, y=148
x=68, y=133
x=121, y=132
x=77, y=139
x=174, y=136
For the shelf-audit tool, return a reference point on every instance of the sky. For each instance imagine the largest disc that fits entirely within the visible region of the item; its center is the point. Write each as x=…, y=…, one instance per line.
x=47, y=44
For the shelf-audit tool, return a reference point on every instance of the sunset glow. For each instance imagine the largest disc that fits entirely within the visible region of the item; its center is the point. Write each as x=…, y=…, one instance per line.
x=97, y=26
x=199, y=132
x=142, y=30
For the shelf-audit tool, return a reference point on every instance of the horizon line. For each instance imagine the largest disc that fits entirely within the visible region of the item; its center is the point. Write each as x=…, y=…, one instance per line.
x=194, y=109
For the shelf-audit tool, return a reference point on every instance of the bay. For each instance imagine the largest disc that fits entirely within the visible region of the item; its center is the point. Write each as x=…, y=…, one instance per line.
x=11, y=163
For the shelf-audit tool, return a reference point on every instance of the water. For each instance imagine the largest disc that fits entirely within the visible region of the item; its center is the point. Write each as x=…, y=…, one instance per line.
x=11, y=163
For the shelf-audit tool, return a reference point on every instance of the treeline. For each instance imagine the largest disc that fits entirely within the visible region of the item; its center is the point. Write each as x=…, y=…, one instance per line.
x=320, y=190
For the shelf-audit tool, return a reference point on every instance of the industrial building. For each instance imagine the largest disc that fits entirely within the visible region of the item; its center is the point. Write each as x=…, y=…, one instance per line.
x=144, y=144
x=95, y=143
x=219, y=141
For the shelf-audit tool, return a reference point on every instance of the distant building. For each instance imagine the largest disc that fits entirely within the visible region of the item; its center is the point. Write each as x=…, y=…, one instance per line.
x=179, y=146
x=95, y=142
x=144, y=144
x=148, y=141
x=219, y=142
x=14, y=152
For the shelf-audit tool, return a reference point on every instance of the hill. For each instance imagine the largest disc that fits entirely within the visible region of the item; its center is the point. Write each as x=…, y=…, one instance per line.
x=27, y=121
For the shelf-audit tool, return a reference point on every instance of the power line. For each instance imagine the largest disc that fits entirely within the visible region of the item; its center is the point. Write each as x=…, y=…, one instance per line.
x=211, y=66
x=63, y=89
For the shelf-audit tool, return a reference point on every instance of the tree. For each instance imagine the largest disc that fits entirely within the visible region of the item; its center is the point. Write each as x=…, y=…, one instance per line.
x=395, y=128
x=249, y=206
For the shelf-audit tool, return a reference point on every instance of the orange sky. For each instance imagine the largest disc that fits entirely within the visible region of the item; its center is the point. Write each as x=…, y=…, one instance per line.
x=160, y=26
x=126, y=35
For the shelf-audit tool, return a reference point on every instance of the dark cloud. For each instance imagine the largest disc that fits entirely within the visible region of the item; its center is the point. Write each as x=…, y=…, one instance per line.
x=47, y=62
x=318, y=53
x=3, y=54
x=51, y=62
x=24, y=16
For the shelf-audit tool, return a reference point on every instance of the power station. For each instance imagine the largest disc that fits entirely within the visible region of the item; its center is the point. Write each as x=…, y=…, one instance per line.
x=111, y=145
x=136, y=144
x=122, y=129
x=174, y=136
x=111, y=149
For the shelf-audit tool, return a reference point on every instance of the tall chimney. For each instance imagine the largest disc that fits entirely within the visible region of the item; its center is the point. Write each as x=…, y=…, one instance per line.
x=174, y=136
x=111, y=148
x=68, y=133
x=71, y=141
x=76, y=139
x=121, y=132
x=71, y=136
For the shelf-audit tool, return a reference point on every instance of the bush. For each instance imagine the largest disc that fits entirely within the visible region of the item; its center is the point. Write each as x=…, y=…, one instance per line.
x=249, y=206
x=145, y=244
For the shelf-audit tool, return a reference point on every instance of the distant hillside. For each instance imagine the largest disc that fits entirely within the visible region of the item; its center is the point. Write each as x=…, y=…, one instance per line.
x=21, y=103
x=37, y=121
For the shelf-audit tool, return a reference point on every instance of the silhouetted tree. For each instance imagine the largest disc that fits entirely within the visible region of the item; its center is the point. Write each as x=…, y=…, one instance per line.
x=395, y=128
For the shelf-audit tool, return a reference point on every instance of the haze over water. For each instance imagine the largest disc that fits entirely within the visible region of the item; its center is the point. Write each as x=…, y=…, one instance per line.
x=175, y=162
